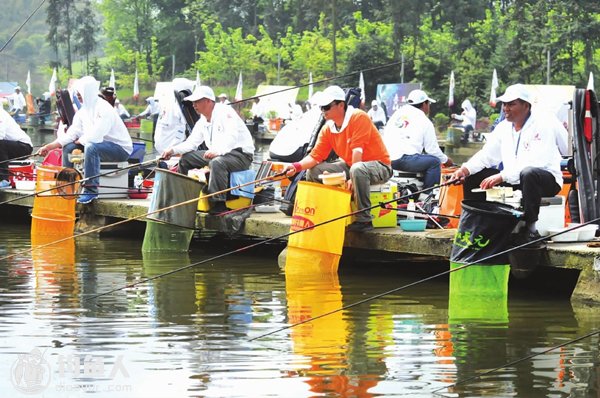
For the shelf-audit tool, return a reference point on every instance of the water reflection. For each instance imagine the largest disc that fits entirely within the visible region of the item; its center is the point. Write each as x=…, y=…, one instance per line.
x=187, y=334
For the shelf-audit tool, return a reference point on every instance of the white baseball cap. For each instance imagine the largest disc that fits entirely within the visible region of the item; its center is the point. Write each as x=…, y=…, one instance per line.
x=201, y=92
x=416, y=97
x=374, y=102
x=516, y=91
x=327, y=96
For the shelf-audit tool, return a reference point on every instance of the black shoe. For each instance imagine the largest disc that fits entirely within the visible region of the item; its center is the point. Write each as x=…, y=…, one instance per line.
x=217, y=208
x=358, y=226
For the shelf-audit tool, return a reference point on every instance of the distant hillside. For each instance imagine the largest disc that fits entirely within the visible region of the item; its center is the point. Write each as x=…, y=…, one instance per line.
x=28, y=50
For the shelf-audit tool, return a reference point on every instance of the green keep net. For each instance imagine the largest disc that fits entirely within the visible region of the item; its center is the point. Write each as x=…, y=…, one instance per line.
x=479, y=292
x=166, y=237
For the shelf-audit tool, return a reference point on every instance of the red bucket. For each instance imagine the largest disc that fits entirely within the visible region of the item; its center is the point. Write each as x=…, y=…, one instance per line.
x=20, y=171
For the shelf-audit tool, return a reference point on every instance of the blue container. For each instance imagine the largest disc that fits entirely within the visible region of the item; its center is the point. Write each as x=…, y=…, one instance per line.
x=139, y=151
x=19, y=118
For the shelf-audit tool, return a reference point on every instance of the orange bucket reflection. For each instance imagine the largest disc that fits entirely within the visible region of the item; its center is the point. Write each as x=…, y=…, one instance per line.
x=54, y=267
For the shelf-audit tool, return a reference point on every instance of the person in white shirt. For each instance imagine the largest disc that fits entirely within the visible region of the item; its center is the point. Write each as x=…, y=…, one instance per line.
x=14, y=143
x=151, y=110
x=17, y=102
x=99, y=131
x=123, y=114
x=468, y=119
x=171, y=125
x=230, y=145
x=377, y=114
x=223, y=99
x=526, y=144
x=411, y=141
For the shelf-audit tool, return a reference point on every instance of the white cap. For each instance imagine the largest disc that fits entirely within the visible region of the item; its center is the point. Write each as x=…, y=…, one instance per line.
x=374, y=102
x=416, y=97
x=327, y=96
x=201, y=92
x=17, y=88
x=222, y=95
x=516, y=91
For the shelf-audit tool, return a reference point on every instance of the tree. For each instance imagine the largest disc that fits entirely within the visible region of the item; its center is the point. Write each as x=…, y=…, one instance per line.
x=60, y=21
x=86, y=32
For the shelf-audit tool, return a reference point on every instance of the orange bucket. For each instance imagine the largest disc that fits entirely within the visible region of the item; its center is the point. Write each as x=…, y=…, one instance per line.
x=52, y=213
x=451, y=197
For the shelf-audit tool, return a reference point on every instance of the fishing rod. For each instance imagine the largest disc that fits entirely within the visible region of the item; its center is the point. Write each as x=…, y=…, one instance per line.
x=186, y=202
x=20, y=157
x=427, y=279
x=242, y=249
x=21, y=27
x=62, y=186
x=517, y=361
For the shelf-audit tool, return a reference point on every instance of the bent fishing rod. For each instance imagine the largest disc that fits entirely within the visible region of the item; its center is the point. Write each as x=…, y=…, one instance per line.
x=427, y=279
x=186, y=202
x=516, y=361
x=242, y=249
x=68, y=184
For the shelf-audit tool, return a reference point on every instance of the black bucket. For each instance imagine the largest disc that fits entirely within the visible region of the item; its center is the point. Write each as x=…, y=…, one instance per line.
x=480, y=291
x=484, y=230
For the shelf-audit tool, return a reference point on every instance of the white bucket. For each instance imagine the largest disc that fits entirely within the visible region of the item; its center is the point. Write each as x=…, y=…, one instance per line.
x=552, y=215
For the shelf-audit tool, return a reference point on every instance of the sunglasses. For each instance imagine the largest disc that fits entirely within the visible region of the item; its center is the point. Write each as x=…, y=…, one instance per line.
x=327, y=107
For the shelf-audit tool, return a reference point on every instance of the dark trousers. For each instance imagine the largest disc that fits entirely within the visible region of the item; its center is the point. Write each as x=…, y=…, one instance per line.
x=220, y=168
x=535, y=184
x=11, y=150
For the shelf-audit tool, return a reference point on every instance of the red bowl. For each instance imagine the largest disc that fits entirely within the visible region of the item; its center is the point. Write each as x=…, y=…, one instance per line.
x=138, y=193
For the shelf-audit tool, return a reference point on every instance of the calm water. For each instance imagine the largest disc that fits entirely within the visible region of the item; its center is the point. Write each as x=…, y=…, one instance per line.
x=188, y=334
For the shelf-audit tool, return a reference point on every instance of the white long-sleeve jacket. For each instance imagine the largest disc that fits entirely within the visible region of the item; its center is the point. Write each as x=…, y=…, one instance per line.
x=96, y=121
x=534, y=146
x=225, y=132
x=408, y=132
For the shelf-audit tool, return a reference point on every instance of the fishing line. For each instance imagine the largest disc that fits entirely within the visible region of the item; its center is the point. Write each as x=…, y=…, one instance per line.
x=134, y=218
x=21, y=27
x=62, y=186
x=320, y=81
x=429, y=278
x=506, y=365
x=242, y=249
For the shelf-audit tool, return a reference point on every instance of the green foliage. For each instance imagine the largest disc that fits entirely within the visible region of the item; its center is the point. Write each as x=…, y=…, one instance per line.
x=441, y=121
